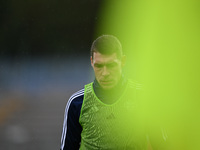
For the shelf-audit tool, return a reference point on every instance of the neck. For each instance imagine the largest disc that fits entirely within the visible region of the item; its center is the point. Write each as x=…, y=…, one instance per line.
x=109, y=96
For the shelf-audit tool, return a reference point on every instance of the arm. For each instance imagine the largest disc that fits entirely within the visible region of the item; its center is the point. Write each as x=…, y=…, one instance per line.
x=71, y=135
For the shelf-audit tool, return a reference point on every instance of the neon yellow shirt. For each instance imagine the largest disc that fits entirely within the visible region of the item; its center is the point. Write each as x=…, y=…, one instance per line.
x=114, y=126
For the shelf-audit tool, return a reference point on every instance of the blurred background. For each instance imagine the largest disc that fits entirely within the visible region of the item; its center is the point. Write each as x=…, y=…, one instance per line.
x=44, y=58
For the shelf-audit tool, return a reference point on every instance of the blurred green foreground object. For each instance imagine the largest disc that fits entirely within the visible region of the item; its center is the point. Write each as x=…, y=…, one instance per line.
x=162, y=42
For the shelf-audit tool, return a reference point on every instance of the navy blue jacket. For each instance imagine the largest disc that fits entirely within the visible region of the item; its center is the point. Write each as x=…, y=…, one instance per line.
x=71, y=135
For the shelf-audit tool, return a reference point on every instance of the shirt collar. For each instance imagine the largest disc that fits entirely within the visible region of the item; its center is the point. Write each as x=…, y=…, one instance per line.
x=113, y=93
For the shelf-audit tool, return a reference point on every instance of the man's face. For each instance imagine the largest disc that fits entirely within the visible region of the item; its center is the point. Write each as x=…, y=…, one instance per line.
x=107, y=69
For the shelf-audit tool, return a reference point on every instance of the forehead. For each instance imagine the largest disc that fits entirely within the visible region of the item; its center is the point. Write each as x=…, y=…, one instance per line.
x=100, y=58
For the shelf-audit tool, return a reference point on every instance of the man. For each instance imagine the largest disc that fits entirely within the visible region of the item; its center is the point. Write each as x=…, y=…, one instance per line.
x=100, y=116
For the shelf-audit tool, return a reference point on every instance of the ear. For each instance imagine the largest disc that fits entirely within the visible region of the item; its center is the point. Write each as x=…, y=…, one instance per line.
x=91, y=61
x=123, y=60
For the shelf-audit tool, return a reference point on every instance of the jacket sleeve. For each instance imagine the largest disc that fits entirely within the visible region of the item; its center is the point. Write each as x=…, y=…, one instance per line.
x=71, y=135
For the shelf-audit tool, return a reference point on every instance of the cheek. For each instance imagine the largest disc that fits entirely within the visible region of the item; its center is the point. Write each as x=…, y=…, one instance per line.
x=97, y=72
x=116, y=71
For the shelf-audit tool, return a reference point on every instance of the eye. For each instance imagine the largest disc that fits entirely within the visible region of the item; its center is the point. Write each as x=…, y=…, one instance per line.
x=111, y=65
x=98, y=65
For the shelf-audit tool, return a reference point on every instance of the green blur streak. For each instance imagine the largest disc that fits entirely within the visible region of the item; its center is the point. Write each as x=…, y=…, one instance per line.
x=162, y=42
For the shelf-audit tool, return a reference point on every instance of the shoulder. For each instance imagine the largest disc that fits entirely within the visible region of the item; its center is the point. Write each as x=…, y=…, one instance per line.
x=134, y=84
x=76, y=96
x=76, y=99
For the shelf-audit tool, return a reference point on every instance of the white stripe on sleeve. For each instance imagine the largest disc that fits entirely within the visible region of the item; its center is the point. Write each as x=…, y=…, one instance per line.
x=75, y=95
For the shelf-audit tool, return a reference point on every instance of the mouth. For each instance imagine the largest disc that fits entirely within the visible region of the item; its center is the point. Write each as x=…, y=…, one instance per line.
x=107, y=82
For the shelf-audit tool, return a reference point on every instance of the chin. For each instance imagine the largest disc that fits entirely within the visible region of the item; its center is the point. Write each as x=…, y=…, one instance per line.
x=107, y=87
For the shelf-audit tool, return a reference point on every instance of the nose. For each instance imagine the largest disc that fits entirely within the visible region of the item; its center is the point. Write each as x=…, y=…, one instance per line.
x=105, y=71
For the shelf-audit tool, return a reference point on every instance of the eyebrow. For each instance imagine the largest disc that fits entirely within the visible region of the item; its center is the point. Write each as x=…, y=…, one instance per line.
x=102, y=64
x=105, y=62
